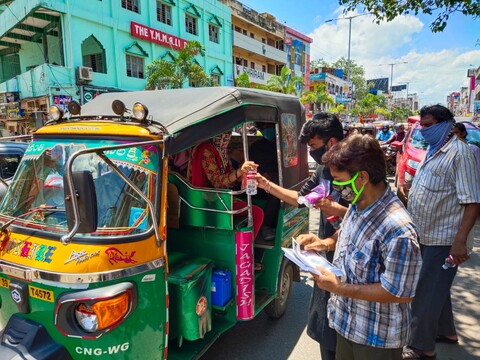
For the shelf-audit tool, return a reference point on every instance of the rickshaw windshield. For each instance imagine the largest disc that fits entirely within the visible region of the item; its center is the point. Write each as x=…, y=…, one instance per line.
x=36, y=198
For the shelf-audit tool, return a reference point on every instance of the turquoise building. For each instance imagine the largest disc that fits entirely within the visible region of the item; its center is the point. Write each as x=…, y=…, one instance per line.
x=52, y=51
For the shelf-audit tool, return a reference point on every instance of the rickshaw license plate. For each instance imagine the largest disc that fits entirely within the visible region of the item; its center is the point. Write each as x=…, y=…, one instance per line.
x=4, y=283
x=42, y=294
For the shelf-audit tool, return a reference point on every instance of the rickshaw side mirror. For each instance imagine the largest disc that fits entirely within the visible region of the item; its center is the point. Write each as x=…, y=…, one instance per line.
x=86, y=200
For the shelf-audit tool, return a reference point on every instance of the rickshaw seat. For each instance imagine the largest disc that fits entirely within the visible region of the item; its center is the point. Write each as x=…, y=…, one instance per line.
x=203, y=207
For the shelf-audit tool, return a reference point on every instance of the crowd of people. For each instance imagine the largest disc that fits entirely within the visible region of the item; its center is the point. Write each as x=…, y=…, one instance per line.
x=393, y=300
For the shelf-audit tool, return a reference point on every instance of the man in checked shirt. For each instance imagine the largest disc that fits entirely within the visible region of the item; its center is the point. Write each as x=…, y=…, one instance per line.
x=377, y=251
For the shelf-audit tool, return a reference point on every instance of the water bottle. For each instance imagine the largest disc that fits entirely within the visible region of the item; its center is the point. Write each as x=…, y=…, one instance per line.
x=449, y=263
x=251, y=183
x=335, y=221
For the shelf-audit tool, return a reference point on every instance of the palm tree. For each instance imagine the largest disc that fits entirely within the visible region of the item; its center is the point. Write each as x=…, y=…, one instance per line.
x=317, y=98
x=173, y=74
x=285, y=82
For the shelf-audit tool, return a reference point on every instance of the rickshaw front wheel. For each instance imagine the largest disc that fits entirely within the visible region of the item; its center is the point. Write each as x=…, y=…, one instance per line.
x=278, y=306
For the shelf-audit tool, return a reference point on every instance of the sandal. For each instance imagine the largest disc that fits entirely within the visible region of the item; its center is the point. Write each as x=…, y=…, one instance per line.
x=446, y=340
x=412, y=353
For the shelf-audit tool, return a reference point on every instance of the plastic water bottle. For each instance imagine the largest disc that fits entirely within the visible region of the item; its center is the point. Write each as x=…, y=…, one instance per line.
x=335, y=221
x=251, y=183
x=449, y=263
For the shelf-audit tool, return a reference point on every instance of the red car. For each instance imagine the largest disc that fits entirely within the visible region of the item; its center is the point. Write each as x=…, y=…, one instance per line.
x=413, y=151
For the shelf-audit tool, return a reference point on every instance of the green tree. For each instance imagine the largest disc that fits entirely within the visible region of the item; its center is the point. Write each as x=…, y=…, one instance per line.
x=384, y=112
x=318, y=97
x=163, y=74
x=285, y=82
x=370, y=103
x=243, y=80
x=357, y=75
x=389, y=10
x=400, y=114
x=338, y=109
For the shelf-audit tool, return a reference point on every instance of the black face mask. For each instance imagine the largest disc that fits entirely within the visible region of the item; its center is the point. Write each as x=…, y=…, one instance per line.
x=318, y=153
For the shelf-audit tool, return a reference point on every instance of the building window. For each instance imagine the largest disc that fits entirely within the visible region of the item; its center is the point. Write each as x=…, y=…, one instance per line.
x=245, y=62
x=237, y=29
x=214, y=33
x=252, y=35
x=244, y=32
x=131, y=5
x=238, y=61
x=96, y=62
x=264, y=68
x=215, y=78
x=135, y=67
x=191, y=24
x=252, y=65
x=93, y=55
x=164, y=13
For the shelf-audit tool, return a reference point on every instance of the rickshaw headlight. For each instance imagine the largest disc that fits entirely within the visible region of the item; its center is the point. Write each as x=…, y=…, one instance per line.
x=103, y=313
x=55, y=113
x=140, y=111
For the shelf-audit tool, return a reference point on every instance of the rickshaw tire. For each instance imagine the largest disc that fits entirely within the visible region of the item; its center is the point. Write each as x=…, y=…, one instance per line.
x=276, y=309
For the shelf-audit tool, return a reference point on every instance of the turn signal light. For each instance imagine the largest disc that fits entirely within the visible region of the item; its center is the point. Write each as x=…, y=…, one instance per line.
x=91, y=313
x=102, y=314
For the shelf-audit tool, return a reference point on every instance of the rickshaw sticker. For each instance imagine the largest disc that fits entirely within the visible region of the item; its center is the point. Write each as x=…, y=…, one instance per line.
x=202, y=305
x=41, y=294
x=29, y=250
x=244, y=275
x=81, y=256
x=5, y=283
x=111, y=350
x=289, y=139
x=149, y=278
x=116, y=256
x=16, y=296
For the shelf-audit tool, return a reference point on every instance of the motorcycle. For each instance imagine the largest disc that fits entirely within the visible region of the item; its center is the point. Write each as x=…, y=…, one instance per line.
x=390, y=151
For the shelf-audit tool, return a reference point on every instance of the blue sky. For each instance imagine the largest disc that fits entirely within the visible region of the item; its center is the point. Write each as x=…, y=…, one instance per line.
x=437, y=63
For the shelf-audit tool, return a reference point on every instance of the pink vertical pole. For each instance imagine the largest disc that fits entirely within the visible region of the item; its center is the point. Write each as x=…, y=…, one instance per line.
x=244, y=278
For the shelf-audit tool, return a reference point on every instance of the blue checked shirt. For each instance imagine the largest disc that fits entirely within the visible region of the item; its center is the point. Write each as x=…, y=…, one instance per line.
x=376, y=245
x=442, y=185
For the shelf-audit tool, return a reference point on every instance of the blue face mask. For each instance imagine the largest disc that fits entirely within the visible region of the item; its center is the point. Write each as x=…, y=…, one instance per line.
x=269, y=133
x=435, y=135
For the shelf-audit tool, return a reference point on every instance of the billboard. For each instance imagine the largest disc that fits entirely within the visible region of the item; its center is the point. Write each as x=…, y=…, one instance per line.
x=379, y=84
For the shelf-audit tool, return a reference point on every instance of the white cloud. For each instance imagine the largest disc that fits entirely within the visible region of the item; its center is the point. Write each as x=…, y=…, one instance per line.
x=432, y=75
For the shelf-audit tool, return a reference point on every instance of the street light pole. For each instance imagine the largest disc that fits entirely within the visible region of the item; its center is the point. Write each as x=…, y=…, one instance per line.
x=349, y=18
x=349, y=42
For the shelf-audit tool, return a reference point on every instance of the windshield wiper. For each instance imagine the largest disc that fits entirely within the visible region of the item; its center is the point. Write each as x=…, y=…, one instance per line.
x=47, y=208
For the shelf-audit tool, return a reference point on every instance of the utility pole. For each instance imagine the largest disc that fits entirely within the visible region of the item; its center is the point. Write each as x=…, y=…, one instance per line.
x=349, y=18
x=391, y=74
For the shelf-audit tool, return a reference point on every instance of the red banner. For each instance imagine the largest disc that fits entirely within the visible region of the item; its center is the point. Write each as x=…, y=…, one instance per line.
x=156, y=36
x=244, y=275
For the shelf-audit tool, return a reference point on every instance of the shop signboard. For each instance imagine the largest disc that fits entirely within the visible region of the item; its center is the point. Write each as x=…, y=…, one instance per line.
x=254, y=75
x=153, y=35
x=91, y=92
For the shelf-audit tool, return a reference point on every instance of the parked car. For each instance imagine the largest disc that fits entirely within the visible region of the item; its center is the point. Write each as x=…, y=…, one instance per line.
x=11, y=153
x=413, y=152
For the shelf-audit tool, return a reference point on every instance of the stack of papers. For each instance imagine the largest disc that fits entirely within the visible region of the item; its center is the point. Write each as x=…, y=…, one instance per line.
x=309, y=260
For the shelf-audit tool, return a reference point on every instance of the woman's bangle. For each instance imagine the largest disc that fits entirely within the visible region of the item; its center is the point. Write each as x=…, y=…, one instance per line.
x=268, y=188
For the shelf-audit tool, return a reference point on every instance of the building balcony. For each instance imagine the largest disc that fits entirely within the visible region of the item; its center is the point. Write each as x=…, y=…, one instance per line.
x=40, y=81
x=259, y=48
